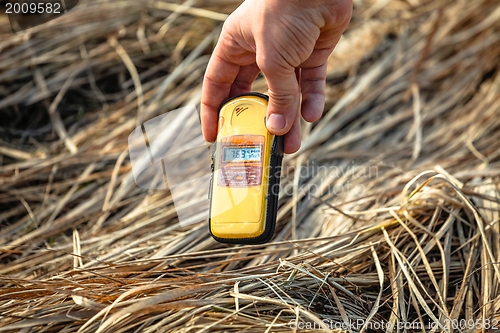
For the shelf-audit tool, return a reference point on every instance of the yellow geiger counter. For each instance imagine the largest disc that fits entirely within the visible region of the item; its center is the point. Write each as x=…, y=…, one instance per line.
x=246, y=167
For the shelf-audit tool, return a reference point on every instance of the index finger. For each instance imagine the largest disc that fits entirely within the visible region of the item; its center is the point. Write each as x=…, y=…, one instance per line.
x=219, y=76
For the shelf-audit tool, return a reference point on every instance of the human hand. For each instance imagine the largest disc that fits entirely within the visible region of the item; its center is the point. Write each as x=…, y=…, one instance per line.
x=289, y=41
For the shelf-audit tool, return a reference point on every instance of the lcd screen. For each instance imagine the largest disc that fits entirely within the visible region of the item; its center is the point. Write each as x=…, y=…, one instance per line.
x=243, y=154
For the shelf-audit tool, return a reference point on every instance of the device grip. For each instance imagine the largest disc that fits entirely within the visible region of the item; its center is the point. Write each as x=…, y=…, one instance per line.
x=276, y=160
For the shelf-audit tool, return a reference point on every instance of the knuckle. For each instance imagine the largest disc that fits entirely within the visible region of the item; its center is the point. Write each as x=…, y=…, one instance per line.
x=319, y=78
x=281, y=97
x=271, y=62
x=282, y=102
x=266, y=62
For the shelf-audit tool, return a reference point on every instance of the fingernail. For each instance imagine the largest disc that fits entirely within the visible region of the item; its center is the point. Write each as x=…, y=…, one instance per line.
x=275, y=122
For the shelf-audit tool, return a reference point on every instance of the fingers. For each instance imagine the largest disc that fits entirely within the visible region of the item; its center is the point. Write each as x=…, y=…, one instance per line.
x=243, y=82
x=283, y=93
x=222, y=70
x=219, y=76
x=312, y=85
x=317, y=58
x=217, y=87
x=293, y=137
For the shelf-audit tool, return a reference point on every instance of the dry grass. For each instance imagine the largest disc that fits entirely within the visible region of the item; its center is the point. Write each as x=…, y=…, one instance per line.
x=389, y=213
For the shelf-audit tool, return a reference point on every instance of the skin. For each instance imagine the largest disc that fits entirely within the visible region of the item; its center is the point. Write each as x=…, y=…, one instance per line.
x=289, y=41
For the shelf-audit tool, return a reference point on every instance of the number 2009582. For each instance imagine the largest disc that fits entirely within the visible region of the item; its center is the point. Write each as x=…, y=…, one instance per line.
x=33, y=8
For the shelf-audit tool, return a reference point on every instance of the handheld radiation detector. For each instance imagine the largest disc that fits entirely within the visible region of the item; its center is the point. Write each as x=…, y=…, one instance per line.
x=246, y=168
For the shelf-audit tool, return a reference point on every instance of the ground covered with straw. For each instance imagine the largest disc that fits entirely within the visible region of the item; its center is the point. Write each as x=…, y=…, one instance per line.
x=389, y=214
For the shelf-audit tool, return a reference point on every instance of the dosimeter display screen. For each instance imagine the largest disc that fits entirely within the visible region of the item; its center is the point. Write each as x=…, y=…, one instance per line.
x=242, y=154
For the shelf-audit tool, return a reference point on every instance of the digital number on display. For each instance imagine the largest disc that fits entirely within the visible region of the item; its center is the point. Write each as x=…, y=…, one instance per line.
x=246, y=154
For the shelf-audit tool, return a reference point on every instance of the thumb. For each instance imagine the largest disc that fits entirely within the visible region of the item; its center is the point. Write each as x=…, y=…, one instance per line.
x=284, y=94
